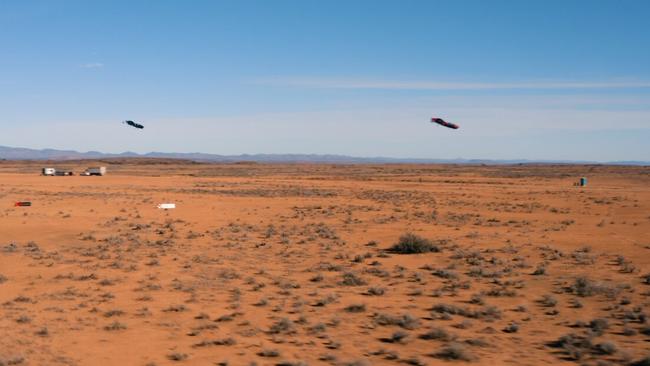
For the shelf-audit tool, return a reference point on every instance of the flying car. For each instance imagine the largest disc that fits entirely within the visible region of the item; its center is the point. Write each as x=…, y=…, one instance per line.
x=442, y=122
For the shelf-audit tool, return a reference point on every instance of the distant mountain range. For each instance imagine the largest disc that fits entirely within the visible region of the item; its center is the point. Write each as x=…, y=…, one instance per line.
x=18, y=153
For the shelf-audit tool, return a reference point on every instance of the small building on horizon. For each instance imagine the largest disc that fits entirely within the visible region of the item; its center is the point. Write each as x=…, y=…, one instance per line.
x=48, y=171
x=98, y=170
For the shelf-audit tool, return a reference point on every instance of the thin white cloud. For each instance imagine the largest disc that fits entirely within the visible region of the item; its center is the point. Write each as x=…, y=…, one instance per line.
x=340, y=83
x=93, y=65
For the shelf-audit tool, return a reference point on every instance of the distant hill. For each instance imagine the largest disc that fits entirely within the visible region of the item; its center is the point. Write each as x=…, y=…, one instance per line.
x=18, y=153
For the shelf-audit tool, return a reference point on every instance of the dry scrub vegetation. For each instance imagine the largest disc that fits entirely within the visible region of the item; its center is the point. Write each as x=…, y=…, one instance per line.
x=320, y=264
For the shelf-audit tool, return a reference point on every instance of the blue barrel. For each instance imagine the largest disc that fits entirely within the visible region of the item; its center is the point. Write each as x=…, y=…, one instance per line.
x=583, y=182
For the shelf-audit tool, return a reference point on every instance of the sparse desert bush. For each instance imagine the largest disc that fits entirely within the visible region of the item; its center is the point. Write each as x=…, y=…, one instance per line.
x=540, y=270
x=552, y=312
x=318, y=328
x=356, y=363
x=317, y=278
x=106, y=282
x=177, y=356
x=477, y=299
x=333, y=345
x=627, y=331
x=598, y=326
x=115, y=326
x=511, y=328
x=573, y=346
x=114, y=312
x=396, y=337
x=465, y=324
x=500, y=292
x=378, y=272
x=585, y=287
x=642, y=362
x=439, y=334
x=437, y=292
x=3, y=279
x=646, y=278
x=328, y=357
x=372, y=243
x=478, y=271
x=23, y=319
x=582, y=256
x=521, y=309
x=142, y=312
x=202, y=316
x=216, y=342
x=269, y=353
x=454, y=351
x=10, y=248
x=414, y=361
x=329, y=267
x=153, y=262
x=576, y=347
x=22, y=298
x=16, y=360
x=453, y=286
x=376, y=291
x=410, y=243
x=635, y=315
x=175, y=308
x=577, y=304
x=114, y=240
x=291, y=363
x=356, y=308
x=416, y=292
x=486, y=312
x=605, y=348
x=358, y=258
x=144, y=298
x=405, y=321
x=352, y=279
x=547, y=301
x=226, y=318
x=628, y=267
x=32, y=247
x=283, y=325
x=388, y=355
x=446, y=274
x=325, y=300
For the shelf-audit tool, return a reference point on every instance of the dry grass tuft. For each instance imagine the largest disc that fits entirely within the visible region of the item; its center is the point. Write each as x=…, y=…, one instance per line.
x=410, y=243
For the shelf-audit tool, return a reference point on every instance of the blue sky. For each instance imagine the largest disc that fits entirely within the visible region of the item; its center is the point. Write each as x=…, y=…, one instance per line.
x=524, y=79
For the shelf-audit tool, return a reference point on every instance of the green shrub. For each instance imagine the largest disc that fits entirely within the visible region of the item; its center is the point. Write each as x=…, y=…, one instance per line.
x=412, y=244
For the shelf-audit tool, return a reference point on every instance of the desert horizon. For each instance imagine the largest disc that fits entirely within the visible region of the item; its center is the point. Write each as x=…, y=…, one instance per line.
x=57, y=156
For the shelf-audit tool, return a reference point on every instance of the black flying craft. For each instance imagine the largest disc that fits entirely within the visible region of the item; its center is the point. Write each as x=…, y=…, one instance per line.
x=133, y=124
x=442, y=122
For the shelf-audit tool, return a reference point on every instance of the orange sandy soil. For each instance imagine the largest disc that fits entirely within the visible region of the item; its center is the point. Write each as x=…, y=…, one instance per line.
x=290, y=265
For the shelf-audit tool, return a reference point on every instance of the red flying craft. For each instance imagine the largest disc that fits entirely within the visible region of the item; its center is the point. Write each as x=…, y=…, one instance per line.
x=442, y=122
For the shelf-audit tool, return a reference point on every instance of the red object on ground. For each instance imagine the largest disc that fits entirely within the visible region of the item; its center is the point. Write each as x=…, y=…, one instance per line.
x=23, y=204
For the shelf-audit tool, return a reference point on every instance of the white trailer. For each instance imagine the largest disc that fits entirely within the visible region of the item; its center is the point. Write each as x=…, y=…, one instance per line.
x=99, y=170
x=49, y=171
